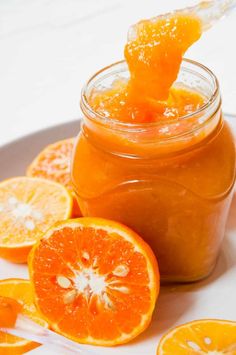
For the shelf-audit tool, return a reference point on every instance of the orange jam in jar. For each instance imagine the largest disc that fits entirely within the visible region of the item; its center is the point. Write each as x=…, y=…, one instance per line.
x=162, y=164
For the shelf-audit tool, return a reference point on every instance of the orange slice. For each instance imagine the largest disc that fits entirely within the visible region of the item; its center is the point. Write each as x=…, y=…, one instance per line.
x=95, y=281
x=9, y=309
x=28, y=207
x=207, y=336
x=20, y=291
x=53, y=163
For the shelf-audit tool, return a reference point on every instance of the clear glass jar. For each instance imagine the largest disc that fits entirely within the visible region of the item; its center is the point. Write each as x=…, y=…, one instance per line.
x=173, y=188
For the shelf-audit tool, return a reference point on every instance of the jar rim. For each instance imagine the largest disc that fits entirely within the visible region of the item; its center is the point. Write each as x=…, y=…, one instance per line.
x=87, y=109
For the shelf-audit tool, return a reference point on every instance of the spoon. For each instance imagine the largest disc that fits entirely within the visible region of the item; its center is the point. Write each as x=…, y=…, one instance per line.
x=211, y=11
x=208, y=12
x=27, y=329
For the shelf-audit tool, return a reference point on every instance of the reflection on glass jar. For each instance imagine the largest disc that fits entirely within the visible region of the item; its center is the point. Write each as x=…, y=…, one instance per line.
x=173, y=188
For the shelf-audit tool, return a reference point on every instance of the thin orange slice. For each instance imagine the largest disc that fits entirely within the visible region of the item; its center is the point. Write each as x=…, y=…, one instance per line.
x=9, y=310
x=20, y=291
x=95, y=281
x=29, y=207
x=53, y=163
x=207, y=336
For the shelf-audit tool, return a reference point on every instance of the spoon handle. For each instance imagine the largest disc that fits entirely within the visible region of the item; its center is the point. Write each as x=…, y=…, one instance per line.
x=27, y=329
x=211, y=11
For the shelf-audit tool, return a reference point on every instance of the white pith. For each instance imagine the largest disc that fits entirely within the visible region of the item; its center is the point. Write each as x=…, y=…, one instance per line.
x=22, y=213
x=194, y=346
x=89, y=283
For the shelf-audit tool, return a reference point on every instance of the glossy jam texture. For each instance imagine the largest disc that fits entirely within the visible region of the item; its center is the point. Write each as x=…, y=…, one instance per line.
x=117, y=104
x=154, y=55
x=155, y=51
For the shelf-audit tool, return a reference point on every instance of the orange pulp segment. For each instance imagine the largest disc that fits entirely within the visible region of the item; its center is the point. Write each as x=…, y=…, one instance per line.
x=207, y=336
x=95, y=281
x=28, y=207
x=17, y=293
x=53, y=163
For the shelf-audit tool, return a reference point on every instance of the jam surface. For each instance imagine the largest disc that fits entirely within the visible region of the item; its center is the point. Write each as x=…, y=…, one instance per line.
x=154, y=54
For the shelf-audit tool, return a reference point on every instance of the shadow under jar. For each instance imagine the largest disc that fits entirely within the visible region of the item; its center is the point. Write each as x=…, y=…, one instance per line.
x=173, y=188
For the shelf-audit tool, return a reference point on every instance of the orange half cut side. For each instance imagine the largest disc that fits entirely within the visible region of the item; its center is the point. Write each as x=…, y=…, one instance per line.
x=54, y=163
x=95, y=281
x=28, y=208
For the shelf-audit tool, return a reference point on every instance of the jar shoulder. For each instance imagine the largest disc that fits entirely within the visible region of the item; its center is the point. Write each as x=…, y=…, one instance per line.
x=208, y=170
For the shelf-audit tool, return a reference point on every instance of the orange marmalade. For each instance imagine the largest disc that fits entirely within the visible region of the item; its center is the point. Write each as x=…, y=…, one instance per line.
x=154, y=151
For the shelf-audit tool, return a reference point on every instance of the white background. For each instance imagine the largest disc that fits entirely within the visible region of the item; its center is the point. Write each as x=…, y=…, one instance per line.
x=48, y=48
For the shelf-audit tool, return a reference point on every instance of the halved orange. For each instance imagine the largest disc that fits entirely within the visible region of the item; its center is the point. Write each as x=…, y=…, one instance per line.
x=53, y=163
x=29, y=207
x=95, y=281
x=21, y=291
x=206, y=336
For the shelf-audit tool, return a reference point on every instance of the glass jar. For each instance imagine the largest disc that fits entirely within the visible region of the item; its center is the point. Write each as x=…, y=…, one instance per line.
x=172, y=187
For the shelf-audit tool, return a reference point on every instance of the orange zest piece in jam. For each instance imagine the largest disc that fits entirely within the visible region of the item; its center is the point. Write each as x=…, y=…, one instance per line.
x=154, y=53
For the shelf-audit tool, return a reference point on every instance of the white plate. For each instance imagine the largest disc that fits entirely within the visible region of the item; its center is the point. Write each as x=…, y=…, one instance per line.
x=211, y=298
